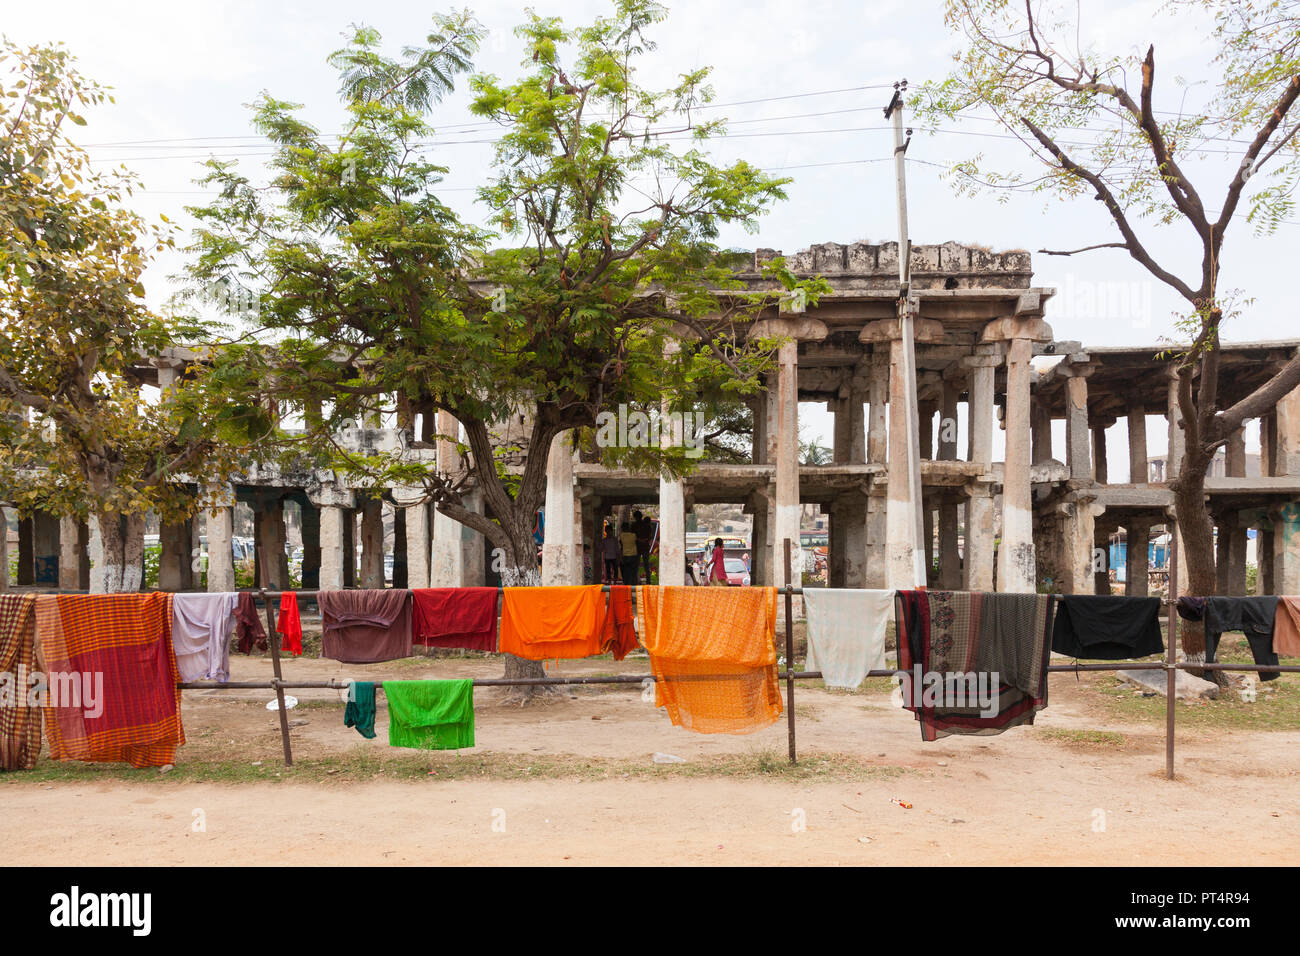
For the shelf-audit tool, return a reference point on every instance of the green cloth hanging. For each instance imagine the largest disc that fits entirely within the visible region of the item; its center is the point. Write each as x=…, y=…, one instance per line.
x=430, y=714
x=360, y=712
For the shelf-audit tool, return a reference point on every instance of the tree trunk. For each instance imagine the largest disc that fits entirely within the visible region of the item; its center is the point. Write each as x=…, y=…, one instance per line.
x=522, y=570
x=1197, y=554
x=121, y=539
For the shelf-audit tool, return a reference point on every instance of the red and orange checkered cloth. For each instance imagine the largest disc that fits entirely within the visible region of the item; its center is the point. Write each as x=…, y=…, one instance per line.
x=20, y=725
x=127, y=639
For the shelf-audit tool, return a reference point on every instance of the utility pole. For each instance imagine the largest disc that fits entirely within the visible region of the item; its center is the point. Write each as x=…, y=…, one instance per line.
x=906, y=528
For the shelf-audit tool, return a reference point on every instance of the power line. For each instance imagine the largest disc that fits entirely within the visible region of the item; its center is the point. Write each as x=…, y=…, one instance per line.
x=483, y=124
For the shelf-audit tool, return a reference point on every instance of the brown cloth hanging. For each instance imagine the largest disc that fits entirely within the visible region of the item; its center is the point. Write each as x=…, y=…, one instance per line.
x=250, y=632
x=365, y=627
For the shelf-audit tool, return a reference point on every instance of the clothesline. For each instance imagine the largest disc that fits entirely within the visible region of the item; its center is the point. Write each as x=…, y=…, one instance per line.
x=334, y=684
x=279, y=683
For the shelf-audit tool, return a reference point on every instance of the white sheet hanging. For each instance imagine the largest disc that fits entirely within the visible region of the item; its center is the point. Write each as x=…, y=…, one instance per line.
x=846, y=632
x=201, y=627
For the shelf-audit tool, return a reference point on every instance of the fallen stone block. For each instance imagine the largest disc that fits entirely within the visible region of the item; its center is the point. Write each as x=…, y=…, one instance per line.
x=1186, y=686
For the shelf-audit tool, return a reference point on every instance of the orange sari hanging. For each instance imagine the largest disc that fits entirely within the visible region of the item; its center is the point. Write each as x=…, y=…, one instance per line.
x=713, y=656
x=547, y=623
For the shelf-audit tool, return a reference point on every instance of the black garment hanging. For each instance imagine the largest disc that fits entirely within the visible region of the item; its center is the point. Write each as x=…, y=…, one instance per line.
x=1103, y=627
x=1254, y=617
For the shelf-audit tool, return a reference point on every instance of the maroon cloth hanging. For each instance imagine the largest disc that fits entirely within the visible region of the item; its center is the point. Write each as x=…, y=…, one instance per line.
x=249, y=630
x=365, y=627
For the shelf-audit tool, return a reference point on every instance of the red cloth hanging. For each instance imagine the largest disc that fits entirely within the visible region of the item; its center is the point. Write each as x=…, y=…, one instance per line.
x=290, y=624
x=455, y=617
x=618, y=636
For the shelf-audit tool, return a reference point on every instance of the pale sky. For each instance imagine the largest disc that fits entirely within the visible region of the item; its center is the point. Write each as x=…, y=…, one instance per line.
x=182, y=72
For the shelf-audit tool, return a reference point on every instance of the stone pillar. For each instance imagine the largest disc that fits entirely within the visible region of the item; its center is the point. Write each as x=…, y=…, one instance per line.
x=841, y=435
x=1268, y=460
x=26, y=560
x=1099, y=559
x=851, y=513
x=447, y=569
x=977, y=573
x=269, y=523
x=96, y=549
x=877, y=453
x=758, y=408
x=1076, y=427
x=45, y=549
x=372, y=543
x=950, y=570
x=1016, y=571
x=857, y=427
x=349, y=547
x=1041, y=428
x=1139, y=473
x=473, y=545
x=173, y=557
x=558, y=543
x=70, y=554
x=771, y=419
x=877, y=395
x=1175, y=418
x=1237, y=542
x=1264, y=555
x=399, y=548
x=1136, y=563
x=1234, y=456
x=925, y=429
x=1080, y=538
x=760, y=545
x=788, y=511
x=1286, y=455
x=310, y=546
x=4, y=551
x=950, y=573
x=332, y=545
x=1223, y=521
x=334, y=509
x=416, y=517
x=672, y=500
x=672, y=531
x=221, y=531
x=904, y=521
x=1100, y=466
x=1286, y=549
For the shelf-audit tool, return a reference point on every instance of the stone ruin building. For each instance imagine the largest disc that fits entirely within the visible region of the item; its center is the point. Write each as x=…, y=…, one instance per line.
x=1037, y=519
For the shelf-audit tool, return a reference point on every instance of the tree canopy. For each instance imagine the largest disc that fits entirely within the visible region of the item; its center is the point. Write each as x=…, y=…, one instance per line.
x=78, y=436
x=597, y=283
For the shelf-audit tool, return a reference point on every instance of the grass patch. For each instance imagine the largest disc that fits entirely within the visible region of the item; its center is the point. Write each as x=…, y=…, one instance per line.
x=1276, y=705
x=362, y=765
x=1082, y=738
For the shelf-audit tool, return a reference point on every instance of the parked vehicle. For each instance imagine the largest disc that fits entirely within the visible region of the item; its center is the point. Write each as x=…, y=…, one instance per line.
x=736, y=571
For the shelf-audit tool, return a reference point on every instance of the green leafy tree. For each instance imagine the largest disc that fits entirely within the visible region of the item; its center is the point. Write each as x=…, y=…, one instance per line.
x=1090, y=122
x=76, y=435
x=605, y=287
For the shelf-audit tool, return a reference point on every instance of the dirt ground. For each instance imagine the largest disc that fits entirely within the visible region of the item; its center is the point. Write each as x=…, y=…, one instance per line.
x=1079, y=787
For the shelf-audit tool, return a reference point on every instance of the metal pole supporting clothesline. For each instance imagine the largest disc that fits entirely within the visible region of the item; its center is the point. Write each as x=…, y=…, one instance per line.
x=789, y=653
x=273, y=642
x=1171, y=652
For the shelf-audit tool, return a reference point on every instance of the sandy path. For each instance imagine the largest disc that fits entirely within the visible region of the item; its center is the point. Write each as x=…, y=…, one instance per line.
x=1022, y=797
